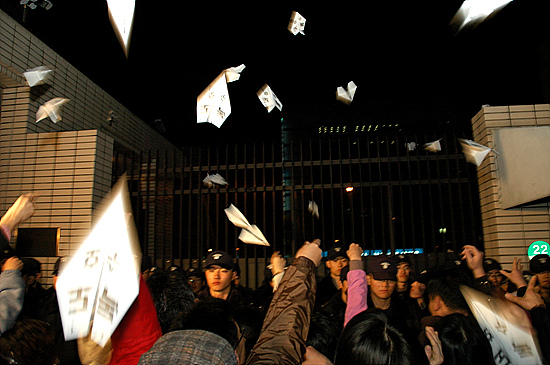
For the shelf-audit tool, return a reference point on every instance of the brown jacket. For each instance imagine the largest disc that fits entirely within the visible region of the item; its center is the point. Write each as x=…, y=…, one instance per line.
x=286, y=325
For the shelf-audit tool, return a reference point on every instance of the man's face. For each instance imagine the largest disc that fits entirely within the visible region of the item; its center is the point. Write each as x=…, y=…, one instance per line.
x=336, y=266
x=403, y=272
x=543, y=279
x=417, y=290
x=218, y=278
x=495, y=277
x=382, y=289
x=195, y=283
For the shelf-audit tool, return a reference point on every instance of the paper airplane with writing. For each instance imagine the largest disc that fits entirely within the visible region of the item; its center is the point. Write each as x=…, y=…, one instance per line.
x=269, y=99
x=213, y=104
x=346, y=96
x=297, y=23
x=215, y=179
x=434, y=146
x=37, y=76
x=101, y=281
x=51, y=109
x=121, y=15
x=250, y=233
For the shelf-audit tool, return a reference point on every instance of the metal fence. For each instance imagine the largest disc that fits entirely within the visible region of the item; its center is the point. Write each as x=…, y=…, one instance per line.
x=385, y=193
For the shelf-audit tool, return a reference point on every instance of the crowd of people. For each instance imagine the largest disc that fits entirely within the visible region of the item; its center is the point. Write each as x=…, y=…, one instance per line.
x=366, y=310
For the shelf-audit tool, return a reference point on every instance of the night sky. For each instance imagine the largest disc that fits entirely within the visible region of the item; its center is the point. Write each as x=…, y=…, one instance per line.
x=408, y=65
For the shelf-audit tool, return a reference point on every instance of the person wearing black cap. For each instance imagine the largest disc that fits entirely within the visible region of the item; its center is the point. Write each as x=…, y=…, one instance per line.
x=195, y=279
x=327, y=287
x=540, y=266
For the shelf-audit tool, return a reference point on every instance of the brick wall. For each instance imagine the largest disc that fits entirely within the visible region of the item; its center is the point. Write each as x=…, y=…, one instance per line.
x=70, y=162
x=508, y=233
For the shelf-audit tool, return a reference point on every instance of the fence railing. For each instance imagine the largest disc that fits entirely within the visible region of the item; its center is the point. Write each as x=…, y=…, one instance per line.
x=385, y=193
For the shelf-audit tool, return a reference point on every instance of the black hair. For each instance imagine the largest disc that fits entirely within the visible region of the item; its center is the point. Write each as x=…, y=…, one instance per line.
x=369, y=339
x=463, y=341
x=212, y=315
x=29, y=342
x=448, y=289
x=171, y=295
x=323, y=334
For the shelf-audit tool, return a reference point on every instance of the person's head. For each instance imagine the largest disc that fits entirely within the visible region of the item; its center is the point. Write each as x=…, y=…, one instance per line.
x=418, y=285
x=492, y=269
x=58, y=268
x=31, y=272
x=381, y=276
x=323, y=334
x=540, y=266
x=219, y=273
x=171, y=295
x=369, y=339
x=445, y=297
x=403, y=268
x=29, y=342
x=195, y=279
x=463, y=341
x=336, y=260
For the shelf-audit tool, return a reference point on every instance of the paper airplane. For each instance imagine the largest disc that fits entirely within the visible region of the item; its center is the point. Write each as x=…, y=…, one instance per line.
x=507, y=327
x=411, y=146
x=213, y=105
x=121, y=15
x=434, y=146
x=346, y=96
x=297, y=23
x=38, y=75
x=473, y=12
x=474, y=152
x=313, y=208
x=215, y=179
x=269, y=99
x=51, y=109
x=100, y=282
x=250, y=233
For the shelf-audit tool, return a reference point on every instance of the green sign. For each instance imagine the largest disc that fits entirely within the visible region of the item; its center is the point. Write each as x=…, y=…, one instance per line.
x=537, y=248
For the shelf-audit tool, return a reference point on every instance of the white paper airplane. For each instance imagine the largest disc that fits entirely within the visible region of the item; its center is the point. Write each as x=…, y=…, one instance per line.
x=313, y=208
x=411, y=146
x=434, y=146
x=474, y=152
x=213, y=104
x=215, y=179
x=473, y=12
x=100, y=282
x=346, y=96
x=250, y=233
x=52, y=109
x=121, y=14
x=506, y=325
x=38, y=75
x=269, y=99
x=297, y=23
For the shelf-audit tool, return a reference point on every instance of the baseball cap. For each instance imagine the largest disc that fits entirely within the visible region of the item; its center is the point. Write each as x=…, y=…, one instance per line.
x=491, y=264
x=382, y=267
x=402, y=259
x=219, y=258
x=336, y=252
x=539, y=263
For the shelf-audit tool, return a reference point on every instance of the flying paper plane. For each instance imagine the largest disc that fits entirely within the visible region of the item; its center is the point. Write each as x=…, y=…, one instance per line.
x=250, y=233
x=434, y=146
x=297, y=23
x=313, y=208
x=506, y=325
x=51, y=109
x=411, y=146
x=213, y=105
x=473, y=12
x=121, y=15
x=215, y=179
x=269, y=99
x=37, y=76
x=474, y=152
x=100, y=282
x=346, y=96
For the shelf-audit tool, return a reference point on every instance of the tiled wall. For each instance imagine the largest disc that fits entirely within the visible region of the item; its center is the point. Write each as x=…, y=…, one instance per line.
x=70, y=162
x=508, y=233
